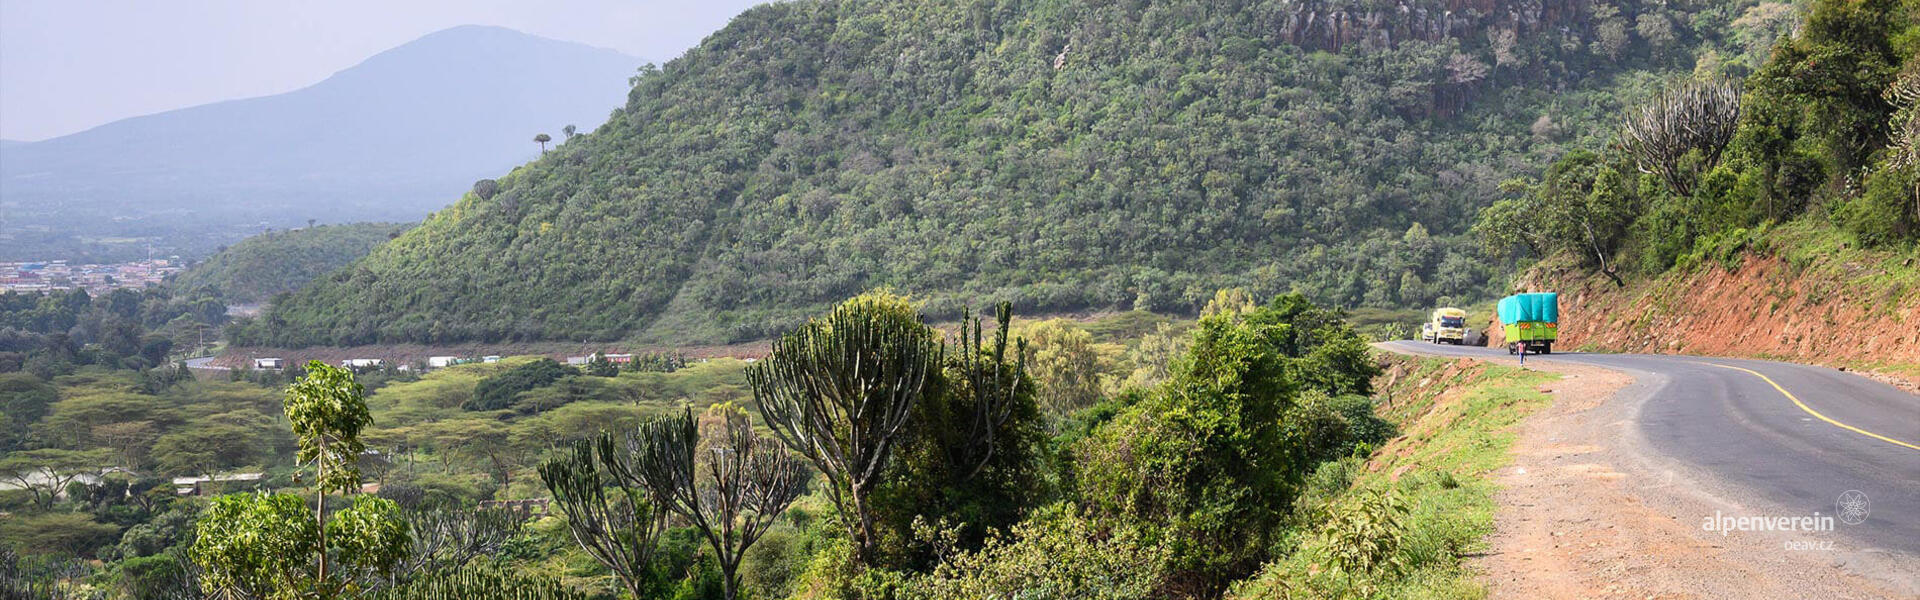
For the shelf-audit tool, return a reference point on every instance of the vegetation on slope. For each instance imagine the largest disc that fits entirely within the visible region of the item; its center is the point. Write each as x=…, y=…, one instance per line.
x=265, y=265
x=1059, y=154
x=1825, y=132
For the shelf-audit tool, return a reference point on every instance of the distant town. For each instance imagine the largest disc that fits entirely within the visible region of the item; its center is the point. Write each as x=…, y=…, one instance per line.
x=96, y=279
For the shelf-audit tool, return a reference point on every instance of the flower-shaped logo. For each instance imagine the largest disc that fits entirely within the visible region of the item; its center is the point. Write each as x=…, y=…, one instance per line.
x=1853, y=507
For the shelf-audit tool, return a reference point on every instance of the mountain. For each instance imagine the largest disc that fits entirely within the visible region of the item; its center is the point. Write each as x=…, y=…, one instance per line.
x=392, y=138
x=264, y=265
x=1059, y=154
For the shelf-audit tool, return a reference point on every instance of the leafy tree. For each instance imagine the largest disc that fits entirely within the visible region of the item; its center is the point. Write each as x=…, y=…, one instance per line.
x=1204, y=459
x=599, y=366
x=1363, y=536
x=263, y=546
x=327, y=409
x=839, y=391
x=542, y=139
x=1064, y=365
x=1057, y=554
x=746, y=483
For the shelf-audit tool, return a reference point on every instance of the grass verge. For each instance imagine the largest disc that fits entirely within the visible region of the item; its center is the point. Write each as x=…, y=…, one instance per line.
x=1457, y=421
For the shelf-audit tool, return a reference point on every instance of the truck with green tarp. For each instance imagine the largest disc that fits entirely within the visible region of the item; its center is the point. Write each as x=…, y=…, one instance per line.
x=1531, y=321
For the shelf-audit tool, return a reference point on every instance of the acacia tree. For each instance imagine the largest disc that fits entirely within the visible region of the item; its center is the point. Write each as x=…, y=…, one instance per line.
x=47, y=471
x=328, y=409
x=839, y=390
x=620, y=529
x=747, y=482
x=542, y=139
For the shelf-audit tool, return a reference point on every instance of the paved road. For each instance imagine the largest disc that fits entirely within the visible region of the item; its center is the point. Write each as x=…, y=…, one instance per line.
x=1727, y=418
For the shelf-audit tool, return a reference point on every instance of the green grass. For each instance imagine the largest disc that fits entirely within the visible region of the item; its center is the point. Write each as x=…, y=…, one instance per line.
x=1442, y=467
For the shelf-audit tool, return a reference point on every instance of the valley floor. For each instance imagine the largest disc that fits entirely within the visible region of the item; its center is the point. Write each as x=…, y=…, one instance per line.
x=1584, y=511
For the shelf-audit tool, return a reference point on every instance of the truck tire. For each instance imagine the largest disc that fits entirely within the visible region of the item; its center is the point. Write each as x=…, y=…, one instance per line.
x=1510, y=350
x=1546, y=348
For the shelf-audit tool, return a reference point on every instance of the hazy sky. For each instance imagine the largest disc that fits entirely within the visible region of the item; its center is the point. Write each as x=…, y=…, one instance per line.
x=68, y=65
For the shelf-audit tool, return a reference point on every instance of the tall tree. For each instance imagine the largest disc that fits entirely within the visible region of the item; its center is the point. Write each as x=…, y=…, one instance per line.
x=328, y=409
x=747, y=481
x=839, y=390
x=542, y=139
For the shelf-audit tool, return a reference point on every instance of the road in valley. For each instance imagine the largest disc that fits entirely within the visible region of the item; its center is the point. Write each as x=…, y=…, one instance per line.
x=1763, y=433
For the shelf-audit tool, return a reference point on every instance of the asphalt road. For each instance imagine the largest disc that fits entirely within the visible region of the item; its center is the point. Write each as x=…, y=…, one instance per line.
x=1844, y=433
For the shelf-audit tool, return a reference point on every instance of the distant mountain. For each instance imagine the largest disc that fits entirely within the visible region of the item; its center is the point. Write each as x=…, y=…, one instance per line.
x=393, y=138
x=1063, y=155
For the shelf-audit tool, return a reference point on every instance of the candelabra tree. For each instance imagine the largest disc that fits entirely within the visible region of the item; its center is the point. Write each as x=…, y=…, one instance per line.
x=732, y=496
x=610, y=517
x=839, y=391
x=1683, y=132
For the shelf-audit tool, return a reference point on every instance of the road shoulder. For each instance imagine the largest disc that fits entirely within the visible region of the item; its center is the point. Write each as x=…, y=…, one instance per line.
x=1584, y=512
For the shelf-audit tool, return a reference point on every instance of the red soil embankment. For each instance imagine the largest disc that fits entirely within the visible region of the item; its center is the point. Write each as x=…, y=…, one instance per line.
x=1764, y=308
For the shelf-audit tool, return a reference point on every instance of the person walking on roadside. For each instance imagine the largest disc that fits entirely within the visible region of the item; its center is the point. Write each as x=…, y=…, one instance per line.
x=1523, y=355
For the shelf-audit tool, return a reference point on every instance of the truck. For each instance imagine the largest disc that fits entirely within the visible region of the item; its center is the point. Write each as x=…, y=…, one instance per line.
x=1445, y=326
x=1530, y=321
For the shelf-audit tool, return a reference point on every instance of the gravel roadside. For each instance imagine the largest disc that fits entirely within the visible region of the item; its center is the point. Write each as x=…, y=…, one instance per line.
x=1586, y=512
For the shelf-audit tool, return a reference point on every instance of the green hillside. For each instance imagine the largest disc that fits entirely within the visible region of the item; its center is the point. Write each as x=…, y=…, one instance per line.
x=261, y=266
x=1061, y=154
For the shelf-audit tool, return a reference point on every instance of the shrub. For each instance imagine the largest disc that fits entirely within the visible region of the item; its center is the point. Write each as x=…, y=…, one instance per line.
x=1057, y=554
x=498, y=392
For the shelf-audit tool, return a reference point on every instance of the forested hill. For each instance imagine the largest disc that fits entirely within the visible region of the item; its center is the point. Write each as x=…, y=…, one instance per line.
x=261, y=266
x=1062, y=154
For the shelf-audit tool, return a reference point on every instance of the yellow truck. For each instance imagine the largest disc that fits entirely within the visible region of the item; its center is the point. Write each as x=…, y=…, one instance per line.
x=1446, y=326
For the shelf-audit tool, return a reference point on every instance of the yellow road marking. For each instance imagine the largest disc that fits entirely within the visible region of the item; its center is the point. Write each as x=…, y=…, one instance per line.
x=1815, y=413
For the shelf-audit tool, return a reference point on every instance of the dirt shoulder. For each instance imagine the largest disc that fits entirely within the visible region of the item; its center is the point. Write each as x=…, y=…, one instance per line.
x=1583, y=512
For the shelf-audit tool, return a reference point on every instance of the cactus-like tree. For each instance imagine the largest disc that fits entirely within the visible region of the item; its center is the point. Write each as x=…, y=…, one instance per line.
x=618, y=527
x=838, y=391
x=732, y=496
x=994, y=384
x=1700, y=116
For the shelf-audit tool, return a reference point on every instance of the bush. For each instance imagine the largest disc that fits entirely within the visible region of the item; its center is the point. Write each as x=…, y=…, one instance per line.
x=1058, y=554
x=1885, y=213
x=1204, y=460
x=498, y=392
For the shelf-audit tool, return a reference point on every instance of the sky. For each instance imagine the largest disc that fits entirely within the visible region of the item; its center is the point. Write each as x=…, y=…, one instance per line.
x=69, y=65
